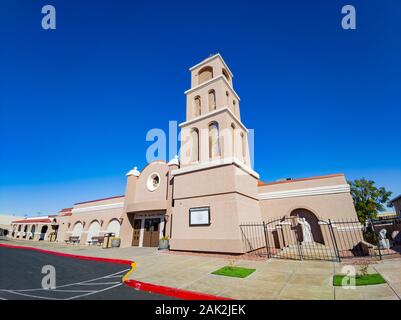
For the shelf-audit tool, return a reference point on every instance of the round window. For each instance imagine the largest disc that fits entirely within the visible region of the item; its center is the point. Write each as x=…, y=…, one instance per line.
x=153, y=182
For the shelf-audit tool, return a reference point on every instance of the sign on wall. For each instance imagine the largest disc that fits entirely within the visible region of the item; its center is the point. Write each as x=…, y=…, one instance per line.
x=199, y=216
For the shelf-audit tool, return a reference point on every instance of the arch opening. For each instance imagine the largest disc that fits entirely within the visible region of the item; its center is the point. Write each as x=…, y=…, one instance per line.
x=43, y=231
x=77, y=230
x=214, y=144
x=94, y=230
x=313, y=221
x=194, y=145
x=114, y=227
x=205, y=74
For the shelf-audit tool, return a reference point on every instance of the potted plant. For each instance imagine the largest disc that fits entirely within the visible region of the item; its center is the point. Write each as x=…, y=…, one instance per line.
x=115, y=242
x=164, y=243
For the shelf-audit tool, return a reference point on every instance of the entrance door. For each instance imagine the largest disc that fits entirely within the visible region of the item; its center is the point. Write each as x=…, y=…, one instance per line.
x=137, y=232
x=151, y=232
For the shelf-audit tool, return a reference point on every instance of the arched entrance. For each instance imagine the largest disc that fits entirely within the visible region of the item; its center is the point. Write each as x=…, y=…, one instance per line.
x=313, y=222
x=93, y=231
x=43, y=232
x=76, y=232
x=114, y=227
x=25, y=231
x=33, y=229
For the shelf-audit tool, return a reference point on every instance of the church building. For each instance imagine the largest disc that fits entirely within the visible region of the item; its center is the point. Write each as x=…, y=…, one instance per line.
x=199, y=199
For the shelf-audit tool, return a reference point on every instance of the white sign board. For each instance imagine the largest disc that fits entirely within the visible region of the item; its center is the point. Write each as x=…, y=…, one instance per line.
x=199, y=216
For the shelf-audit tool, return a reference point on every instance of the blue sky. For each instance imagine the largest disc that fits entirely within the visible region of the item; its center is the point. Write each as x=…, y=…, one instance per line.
x=75, y=102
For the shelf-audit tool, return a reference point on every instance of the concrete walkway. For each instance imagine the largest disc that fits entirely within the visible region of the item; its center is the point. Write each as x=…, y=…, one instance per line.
x=273, y=279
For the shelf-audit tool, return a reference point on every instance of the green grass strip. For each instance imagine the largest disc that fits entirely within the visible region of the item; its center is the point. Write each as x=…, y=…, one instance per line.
x=236, y=272
x=366, y=280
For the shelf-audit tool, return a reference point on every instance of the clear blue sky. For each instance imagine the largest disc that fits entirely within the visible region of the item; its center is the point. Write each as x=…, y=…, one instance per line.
x=75, y=103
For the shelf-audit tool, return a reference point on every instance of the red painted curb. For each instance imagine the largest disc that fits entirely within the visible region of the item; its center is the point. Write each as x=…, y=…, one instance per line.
x=143, y=286
x=171, y=292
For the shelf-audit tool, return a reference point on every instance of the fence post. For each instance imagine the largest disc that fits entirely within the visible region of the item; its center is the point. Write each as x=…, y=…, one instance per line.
x=266, y=239
x=333, y=237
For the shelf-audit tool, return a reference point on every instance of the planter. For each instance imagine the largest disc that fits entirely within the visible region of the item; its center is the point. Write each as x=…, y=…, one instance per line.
x=163, y=244
x=115, y=242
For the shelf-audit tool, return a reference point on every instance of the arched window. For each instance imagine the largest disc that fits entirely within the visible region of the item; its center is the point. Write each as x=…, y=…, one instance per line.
x=194, y=145
x=235, y=107
x=214, y=144
x=228, y=99
x=114, y=227
x=205, y=74
x=198, y=106
x=233, y=139
x=225, y=73
x=212, y=100
x=243, y=141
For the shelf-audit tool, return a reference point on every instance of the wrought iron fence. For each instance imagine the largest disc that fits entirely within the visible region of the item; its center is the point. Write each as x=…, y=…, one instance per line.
x=387, y=233
x=333, y=240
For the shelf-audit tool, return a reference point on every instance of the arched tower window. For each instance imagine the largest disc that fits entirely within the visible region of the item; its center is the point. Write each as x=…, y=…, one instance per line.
x=198, y=106
x=214, y=144
x=205, y=74
x=243, y=141
x=233, y=139
x=228, y=99
x=225, y=73
x=212, y=100
x=235, y=107
x=194, y=145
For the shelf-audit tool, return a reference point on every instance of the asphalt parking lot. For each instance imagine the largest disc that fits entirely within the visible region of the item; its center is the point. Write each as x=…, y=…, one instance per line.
x=21, y=278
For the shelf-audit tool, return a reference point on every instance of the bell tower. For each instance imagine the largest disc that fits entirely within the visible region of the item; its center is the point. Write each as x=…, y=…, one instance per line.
x=215, y=173
x=213, y=130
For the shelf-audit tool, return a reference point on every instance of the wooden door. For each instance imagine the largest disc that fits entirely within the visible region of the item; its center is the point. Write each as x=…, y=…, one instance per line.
x=137, y=232
x=151, y=232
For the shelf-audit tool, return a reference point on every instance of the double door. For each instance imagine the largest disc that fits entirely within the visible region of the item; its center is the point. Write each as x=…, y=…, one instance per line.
x=151, y=232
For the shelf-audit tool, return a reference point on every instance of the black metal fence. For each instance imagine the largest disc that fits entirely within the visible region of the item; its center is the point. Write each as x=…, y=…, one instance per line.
x=387, y=233
x=317, y=239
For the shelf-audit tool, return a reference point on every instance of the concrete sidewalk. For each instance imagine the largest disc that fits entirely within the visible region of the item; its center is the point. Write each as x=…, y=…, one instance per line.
x=273, y=279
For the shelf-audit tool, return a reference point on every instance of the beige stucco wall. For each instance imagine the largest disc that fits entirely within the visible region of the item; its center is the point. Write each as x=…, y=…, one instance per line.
x=232, y=198
x=325, y=206
x=227, y=143
x=221, y=87
x=98, y=210
x=140, y=200
x=223, y=233
x=216, y=63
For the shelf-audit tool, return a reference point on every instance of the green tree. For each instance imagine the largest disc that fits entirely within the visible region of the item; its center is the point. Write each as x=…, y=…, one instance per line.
x=368, y=199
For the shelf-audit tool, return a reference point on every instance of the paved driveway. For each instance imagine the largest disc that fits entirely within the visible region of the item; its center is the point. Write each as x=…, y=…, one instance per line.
x=273, y=279
x=21, y=278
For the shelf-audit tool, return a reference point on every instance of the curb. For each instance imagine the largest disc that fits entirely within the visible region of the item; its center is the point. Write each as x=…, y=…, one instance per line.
x=137, y=285
x=171, y=292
